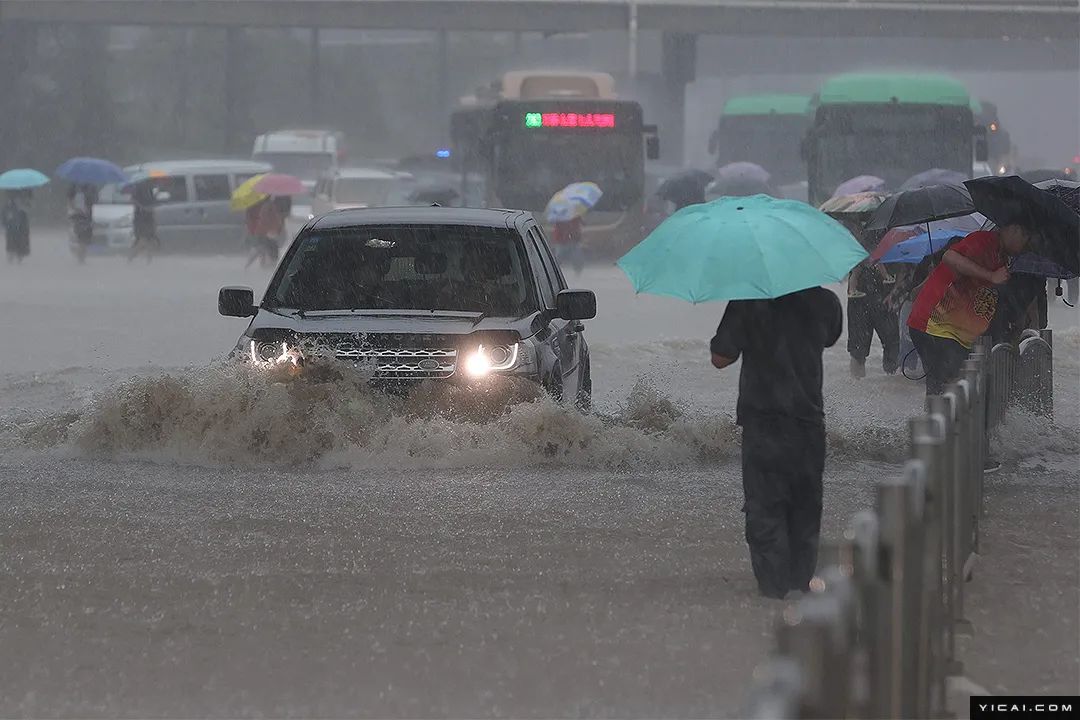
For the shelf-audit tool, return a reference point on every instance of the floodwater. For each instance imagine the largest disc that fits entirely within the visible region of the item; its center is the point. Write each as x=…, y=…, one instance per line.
x=183, y=538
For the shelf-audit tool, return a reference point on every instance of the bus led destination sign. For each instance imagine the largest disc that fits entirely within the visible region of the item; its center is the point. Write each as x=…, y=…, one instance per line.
x=569, y=120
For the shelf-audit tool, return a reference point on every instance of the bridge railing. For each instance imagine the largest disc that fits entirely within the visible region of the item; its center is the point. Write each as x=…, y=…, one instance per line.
x=876, y=636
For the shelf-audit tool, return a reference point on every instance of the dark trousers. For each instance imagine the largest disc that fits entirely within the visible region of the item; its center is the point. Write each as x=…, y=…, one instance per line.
x=942, y=358
x=782, y=464
x=867, y=315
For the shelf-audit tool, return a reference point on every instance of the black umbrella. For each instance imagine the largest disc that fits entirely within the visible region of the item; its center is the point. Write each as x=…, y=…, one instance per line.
x=1042, y=175
x=922, y=205
x=685, y=187
x=1008, y=200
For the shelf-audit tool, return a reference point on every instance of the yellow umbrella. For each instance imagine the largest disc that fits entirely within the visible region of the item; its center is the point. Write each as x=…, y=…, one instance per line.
x=245, y=195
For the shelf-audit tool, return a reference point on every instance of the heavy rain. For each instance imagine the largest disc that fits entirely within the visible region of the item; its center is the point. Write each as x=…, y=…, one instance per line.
x=464, y=435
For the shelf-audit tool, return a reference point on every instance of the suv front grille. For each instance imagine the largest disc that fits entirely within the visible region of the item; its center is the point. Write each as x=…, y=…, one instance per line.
x=401, y=363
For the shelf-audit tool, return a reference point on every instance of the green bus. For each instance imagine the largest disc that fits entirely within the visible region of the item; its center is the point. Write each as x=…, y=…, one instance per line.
x=764, y=129
x=890, y=125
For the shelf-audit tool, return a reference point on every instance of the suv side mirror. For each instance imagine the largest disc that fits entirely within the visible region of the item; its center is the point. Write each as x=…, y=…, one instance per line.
x=575, y=305
x=982, y=146
x=236, y=302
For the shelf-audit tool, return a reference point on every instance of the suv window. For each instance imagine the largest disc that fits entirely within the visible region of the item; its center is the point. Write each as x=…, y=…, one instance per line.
x=175, y=186
x=558, y=280
x=212, y=188
x=549, y=280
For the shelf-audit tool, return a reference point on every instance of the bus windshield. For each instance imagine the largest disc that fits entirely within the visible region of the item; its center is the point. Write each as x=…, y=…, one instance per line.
x=531, y=167
x=771, y=141
x=891, y=143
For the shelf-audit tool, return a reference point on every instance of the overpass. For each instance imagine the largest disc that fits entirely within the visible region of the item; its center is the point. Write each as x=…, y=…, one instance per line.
x=1049, y=29
x=1030, y=19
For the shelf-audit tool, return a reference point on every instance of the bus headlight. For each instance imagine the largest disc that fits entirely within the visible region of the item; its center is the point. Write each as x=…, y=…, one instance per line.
x=488, y=359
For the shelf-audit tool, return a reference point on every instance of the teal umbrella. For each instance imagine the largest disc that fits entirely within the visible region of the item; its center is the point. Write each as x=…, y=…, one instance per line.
x=742, y=248
x=22, y=179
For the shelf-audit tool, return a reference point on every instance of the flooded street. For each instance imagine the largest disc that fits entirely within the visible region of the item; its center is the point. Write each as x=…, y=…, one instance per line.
x=182, y=539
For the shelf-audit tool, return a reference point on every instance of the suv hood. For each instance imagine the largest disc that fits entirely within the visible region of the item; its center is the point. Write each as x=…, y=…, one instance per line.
x=389, y=322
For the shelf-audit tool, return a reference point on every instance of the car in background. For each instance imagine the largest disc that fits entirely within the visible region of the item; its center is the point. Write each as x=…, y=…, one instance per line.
x=192, y=210
x=360, y=187
x=413, y=294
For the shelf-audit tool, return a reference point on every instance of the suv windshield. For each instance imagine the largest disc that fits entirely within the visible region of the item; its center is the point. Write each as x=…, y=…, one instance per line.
x=407, y=267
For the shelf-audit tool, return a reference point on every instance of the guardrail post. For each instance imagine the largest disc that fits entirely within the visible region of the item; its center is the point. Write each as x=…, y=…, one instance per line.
x=1037, y=375
x=973, y=372
x=777, y=688
x=900, y=508
x=927, y=442
x=862, y=551
x=943, y=408
x=961, y=506
x=811, y=633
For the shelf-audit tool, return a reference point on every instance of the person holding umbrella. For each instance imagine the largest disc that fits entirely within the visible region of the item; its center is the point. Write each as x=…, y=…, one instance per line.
x=144, y=223
x=86, y=175
x=768, y=257
x=16, y=219
x=15, y=214
x=564, y=212
x=957, y=302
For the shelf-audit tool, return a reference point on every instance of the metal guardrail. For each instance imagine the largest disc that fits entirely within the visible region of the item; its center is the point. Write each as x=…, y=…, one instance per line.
x=876, y=636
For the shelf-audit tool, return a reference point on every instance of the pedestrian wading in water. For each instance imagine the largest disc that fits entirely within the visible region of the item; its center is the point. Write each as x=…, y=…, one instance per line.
x=781, y=411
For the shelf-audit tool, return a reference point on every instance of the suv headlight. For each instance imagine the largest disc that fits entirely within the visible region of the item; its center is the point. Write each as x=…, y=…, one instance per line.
x=486, y=359
x=273, y=354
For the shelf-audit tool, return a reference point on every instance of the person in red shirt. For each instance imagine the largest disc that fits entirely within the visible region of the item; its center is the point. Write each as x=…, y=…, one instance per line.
x=958, y=300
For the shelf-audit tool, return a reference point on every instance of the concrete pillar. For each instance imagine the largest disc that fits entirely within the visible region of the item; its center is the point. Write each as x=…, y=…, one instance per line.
x=17, y=43
x=233, y=73
x=442, y=73
x=678, y=68
x=315, y=78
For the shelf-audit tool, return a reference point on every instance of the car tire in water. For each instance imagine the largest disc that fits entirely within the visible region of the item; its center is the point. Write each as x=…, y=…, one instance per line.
x=583, y=402
x=554, y=384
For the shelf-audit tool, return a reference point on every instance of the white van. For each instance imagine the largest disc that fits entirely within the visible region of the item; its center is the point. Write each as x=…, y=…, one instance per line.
x=305, y=154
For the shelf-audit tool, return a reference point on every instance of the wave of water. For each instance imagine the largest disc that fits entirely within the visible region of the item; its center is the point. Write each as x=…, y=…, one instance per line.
x=228, y=415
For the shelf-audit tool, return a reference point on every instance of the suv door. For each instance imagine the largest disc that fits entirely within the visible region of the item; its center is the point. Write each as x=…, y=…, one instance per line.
x=213, y=224
x=566, y=335
x=171, y=212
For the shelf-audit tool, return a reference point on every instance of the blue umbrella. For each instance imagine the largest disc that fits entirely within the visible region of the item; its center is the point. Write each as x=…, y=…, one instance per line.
x=573, y=201
x=91, y=171
x=913, y=250
x=22, y=179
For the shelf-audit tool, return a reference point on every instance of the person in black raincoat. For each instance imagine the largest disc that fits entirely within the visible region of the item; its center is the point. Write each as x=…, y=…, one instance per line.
x=781, y=411
x=16, y=220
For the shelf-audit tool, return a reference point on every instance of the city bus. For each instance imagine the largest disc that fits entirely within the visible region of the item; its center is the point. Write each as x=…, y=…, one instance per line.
x=533, y=133
x=764, y=129
x=889, y=125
